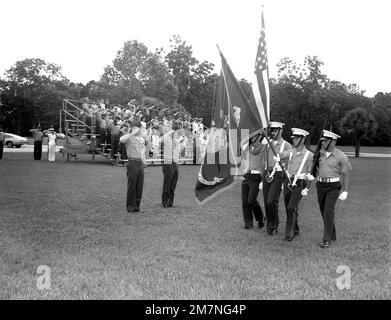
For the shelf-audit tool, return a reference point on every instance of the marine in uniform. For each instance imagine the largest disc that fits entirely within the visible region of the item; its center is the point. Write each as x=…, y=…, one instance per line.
x=274, y=176
x=250, y=185
x=135, y=147
x=171, y=149
x=332, y=182
x=38, y=139
x=299, y=164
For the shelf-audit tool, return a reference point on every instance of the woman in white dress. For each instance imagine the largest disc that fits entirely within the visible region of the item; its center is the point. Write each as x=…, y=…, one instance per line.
x=52, y=135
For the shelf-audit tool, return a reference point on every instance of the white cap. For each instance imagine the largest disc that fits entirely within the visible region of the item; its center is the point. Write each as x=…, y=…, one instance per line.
x=274, y=124
x=329, y=135
x=299, y=132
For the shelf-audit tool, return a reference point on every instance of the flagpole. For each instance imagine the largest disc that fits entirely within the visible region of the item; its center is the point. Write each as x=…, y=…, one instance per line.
x=248, y=106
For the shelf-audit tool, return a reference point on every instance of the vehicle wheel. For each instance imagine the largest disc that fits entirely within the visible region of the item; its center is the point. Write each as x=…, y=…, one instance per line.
x=18, y=146
x=10, y=144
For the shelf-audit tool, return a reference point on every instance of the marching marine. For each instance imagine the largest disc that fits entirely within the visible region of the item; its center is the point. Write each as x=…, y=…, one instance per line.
x=331, y=167
x=299, y=164
x=274, y=175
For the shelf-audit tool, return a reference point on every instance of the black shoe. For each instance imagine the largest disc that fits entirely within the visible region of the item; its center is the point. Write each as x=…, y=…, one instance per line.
x=165, y=205
x=132, y=211
x=247, y=227
x=270, y=231
x=325, y=244
x=274, y=231
x=288, y=238
x=261, y=224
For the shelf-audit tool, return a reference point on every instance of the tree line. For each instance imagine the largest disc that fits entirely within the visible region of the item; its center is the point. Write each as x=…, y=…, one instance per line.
x=32, y=91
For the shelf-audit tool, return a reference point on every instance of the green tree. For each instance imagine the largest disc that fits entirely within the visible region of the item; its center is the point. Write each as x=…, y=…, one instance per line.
x=359, y=124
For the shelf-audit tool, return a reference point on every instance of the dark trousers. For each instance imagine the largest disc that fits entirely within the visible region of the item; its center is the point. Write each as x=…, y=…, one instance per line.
x=135, y=174
x=250, y=204
x=271, y=195
x=170, y=174
x=122, y=151
x=291, y=200
x=102, y=136
x=37, y=150
x=1, y=149
x=114, y=145
x=327, y=198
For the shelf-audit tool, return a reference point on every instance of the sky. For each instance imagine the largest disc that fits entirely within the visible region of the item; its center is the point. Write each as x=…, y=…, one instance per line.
x=351, y=37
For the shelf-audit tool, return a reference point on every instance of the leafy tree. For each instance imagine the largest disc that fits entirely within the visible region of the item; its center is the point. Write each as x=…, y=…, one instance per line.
x=32, y=93
x=381, y=110
x=195, y=81
x=359, y=124
x=137, y=72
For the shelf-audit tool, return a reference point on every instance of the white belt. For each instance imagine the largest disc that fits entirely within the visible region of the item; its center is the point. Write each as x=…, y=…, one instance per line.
x=328, y=180
x=255, y=172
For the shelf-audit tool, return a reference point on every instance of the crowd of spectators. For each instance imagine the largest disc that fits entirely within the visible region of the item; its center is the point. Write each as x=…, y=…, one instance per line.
x=110, y=122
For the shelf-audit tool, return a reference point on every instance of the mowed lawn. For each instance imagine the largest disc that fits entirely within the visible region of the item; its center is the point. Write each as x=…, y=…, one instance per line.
x=71, y=217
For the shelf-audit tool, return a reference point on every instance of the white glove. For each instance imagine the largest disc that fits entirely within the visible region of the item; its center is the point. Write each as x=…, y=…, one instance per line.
x=277, y=158
x=310, y=177
x=343, y=196
x=261, y=185
x=304, y=192
x=264, y=141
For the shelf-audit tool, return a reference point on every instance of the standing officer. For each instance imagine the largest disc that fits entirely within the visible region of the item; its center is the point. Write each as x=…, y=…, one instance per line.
x=172, y=146
x=38, y=138
x=252, y=179
x=333, y=176
x=273, y=176
x=2, y=138
x=135, y=147
x=299, y=164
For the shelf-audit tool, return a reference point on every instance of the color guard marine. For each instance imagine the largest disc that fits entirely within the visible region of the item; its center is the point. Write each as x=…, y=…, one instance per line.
x=331, y=167
x=299, y=163
x=274, y=175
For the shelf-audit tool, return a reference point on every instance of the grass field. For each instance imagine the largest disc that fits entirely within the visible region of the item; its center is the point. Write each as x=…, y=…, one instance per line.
x=72, y=218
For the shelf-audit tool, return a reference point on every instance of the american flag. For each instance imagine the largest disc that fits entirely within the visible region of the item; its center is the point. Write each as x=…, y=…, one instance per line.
x=261, y=72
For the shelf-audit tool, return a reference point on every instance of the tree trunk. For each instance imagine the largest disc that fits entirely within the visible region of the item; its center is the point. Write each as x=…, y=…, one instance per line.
x=357, y=148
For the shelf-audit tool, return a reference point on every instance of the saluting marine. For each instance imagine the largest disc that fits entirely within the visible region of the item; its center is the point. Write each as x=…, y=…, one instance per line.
x=273, y=176
x=299, y=164
x=331, y=167
x=135, y=147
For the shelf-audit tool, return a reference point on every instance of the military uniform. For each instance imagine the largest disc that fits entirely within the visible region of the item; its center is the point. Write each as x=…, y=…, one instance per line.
x=171, y=150
x=250, y=185
x=332, y=166
x=38, y=139
x=273, y=180
x=299, y=166
x=135, y=147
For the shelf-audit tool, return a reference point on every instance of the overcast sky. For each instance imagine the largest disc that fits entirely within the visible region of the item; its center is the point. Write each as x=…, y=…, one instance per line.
x=352, y=38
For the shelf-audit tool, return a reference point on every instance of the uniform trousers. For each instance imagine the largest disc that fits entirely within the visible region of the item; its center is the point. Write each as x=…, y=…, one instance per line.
x=271, y=195
x=114, y=145
x=170, y=179
x=292, y=197
x=1, y=149
x=37, y=150
x=327, y=198
x=135, y=174
x=250, y=204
